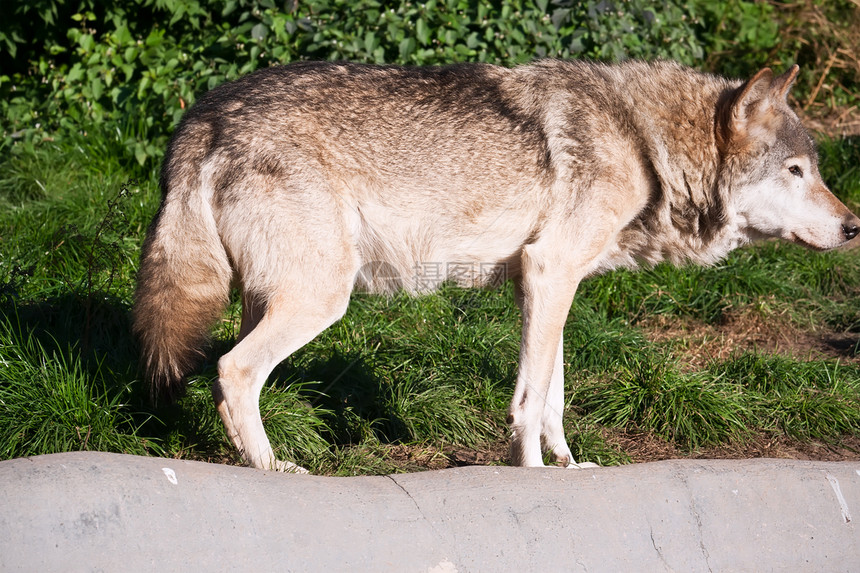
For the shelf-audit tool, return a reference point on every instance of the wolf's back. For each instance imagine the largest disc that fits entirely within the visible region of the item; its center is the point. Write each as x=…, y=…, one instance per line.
x=184, y=276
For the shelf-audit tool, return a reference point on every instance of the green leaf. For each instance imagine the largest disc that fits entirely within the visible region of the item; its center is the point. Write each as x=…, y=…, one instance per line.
x=86, y=42
x=422, y=31
x=97, y=87
x=140, y=153
x=75, y=74
x=406, y=49
x=122, y=35
x=369, y=42
x=154, y=39
x=259, y=32
x=160, y=86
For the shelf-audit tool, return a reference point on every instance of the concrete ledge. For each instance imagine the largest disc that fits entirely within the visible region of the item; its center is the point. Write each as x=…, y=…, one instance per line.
x=95, y=511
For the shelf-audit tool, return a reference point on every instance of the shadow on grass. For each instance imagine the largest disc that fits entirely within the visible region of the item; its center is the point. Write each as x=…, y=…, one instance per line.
x=357, y=400
x=98, y=333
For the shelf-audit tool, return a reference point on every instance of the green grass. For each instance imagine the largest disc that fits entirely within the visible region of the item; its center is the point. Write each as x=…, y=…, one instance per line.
x=428, y=373
x=806, y=400
x=651, y=394
x=840, y=166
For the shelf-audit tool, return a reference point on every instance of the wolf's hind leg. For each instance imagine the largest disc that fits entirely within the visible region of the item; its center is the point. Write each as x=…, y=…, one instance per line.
x=293, y=289
x=293, y=318
x=252, y=313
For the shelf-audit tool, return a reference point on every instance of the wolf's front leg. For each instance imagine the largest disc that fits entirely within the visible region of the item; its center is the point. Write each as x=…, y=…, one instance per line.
x=545, y=292
x=552, y=428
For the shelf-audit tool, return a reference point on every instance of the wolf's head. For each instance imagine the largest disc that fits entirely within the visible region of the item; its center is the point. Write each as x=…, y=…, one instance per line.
x=770, y=168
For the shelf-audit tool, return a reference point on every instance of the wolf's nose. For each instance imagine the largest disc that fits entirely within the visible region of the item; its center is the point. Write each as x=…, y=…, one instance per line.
x=851, y=230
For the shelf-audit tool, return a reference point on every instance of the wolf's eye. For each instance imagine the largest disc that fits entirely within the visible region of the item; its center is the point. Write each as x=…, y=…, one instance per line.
x=796, y=171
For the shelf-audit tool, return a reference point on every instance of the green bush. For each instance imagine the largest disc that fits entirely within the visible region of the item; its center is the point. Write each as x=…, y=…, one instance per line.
x=139, y=63
x=821, y=36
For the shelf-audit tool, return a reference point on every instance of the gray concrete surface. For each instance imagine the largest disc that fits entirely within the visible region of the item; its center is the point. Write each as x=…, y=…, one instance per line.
x=108, y=512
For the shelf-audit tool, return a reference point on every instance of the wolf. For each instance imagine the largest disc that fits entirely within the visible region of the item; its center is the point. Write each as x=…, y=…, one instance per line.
x=299, y=184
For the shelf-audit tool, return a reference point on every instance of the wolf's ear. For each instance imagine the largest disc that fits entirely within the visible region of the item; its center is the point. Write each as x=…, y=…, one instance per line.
x=750, y=96
x=782, y=84
x=742, y=112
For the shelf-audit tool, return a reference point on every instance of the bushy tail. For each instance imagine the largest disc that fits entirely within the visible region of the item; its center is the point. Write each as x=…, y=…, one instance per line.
x=183, y=287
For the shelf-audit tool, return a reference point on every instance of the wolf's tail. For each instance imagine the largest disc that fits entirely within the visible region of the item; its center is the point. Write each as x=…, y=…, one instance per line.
x=183, y=283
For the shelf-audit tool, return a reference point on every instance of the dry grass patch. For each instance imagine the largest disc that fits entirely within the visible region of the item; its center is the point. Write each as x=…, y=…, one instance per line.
x=747, y=329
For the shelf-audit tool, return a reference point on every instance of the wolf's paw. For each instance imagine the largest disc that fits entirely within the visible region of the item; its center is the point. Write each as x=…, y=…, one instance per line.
x=560, y=456
x=289, y=467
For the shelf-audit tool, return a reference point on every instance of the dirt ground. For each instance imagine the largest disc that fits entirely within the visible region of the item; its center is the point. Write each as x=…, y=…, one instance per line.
x=640, y=447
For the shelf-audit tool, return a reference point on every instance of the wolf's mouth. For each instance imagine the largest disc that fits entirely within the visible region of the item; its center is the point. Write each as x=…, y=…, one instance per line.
x=794, y=238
